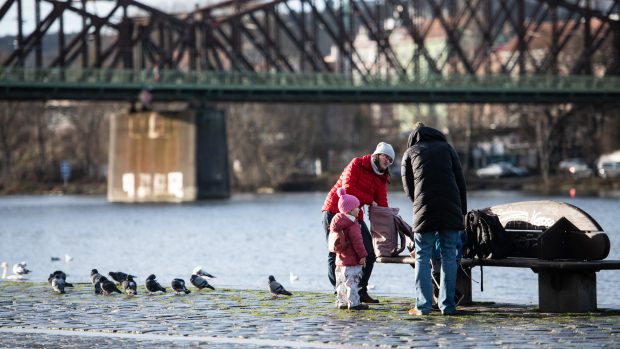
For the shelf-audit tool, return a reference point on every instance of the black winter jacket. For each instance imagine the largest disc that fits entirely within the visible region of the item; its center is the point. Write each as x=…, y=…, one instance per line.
x=433, y=180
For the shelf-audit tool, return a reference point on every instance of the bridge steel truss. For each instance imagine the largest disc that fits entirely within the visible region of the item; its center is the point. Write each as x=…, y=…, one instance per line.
x=413, y=39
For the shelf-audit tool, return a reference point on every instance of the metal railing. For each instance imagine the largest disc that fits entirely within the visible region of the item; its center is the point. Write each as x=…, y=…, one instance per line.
x=170, y=78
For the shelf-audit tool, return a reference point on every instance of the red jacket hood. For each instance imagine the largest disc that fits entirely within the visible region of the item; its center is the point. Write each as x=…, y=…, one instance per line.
x=341, y=222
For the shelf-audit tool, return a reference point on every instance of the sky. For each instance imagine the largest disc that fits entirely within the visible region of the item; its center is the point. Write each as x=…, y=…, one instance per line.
x=8, y=24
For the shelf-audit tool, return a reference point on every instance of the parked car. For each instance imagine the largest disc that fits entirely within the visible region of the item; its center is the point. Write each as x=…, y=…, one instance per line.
x=608, y=165
x=567, y=163
x=609, y=169
x=501, y=169
x=576, y=168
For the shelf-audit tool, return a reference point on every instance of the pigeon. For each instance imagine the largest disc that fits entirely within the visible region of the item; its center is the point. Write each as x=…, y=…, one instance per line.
x=95, y=277
x=200, y=272
x=58, y=284
x=20, y=269
x=107, y=286
x=276, y=288
x=200, y=282
x=119, y=276
x=60, y=274
x=178, y=285
x=152, y=285
x=130, y=286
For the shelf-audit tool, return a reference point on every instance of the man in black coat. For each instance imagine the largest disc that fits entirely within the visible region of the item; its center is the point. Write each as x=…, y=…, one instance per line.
x=433, y=180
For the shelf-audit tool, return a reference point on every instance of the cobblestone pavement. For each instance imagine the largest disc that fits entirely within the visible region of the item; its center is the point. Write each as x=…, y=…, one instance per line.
x=31, y=315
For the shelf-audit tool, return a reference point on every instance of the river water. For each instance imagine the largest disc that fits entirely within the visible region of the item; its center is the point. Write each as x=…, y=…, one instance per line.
x=241, y=241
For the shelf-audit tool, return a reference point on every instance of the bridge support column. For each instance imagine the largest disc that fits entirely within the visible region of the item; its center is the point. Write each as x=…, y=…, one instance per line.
x=168, y=156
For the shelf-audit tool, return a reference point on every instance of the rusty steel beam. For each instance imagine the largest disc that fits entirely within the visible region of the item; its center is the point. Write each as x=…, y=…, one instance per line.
x=293, y=36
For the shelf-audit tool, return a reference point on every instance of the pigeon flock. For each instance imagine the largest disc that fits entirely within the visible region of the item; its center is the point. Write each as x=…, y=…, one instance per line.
x=126, y=282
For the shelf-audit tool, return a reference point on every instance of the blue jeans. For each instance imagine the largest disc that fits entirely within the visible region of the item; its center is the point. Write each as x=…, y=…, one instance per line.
x=462, y=240
x=331, y=257
x=424, y=245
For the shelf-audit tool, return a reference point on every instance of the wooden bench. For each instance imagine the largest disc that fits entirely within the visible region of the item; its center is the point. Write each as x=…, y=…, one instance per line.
x=563, y=286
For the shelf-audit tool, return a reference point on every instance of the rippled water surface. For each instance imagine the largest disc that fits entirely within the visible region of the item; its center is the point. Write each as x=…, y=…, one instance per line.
x=241, y=240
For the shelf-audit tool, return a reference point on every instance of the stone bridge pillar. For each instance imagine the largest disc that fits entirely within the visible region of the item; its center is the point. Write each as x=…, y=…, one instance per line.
x=168, y=156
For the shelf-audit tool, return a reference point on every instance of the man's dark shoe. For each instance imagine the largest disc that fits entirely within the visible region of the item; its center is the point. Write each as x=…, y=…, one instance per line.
x=360, y=307
x=450, y=313
x=365, y=298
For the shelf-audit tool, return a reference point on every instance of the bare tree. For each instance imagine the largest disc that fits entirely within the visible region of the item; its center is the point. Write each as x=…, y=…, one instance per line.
x=272, y=144
x=16, y=133
x=41, y=134
x=90, y=129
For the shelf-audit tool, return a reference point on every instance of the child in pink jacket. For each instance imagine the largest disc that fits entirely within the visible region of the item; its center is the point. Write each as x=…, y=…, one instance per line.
x=350, y=261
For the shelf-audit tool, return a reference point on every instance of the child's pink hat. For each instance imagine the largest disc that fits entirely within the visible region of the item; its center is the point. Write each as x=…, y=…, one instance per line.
x=346, y=202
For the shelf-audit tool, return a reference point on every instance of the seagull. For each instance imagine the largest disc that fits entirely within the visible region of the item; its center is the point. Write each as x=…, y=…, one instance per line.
x=107, y=286
x=152, y=285
x=200, y=282
x=68, y=258
x=60, y=274
x=5, y=268
x=119, y=276
x=293, y=277
x=200, y=272
x=130, y=286
x=276, y=288
x=20, y=269
x=58, y=284
x=95, y=277
x=178, y=285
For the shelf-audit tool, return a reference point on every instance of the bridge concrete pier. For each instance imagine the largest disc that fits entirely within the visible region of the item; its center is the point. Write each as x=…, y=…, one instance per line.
x=168, y=156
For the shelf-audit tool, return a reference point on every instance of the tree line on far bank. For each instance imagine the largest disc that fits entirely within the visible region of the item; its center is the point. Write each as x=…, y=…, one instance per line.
x=278, y=145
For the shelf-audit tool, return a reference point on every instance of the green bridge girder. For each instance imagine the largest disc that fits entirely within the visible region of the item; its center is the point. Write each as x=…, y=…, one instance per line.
x=126, y=85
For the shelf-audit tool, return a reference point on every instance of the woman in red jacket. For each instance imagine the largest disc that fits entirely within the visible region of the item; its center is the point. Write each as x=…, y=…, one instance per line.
x=366, y=178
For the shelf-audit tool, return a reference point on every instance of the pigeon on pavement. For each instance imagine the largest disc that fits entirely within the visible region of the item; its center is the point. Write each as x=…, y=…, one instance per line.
x=95, y=277
x=276, y=288
x=152, y=285
x=178, y=285
x=20, y=269
x=200, y=272
x=200, y=282
x=129, y=286
x=119, y=276
x=58, y=284
x=107, y=286
x=60, y=274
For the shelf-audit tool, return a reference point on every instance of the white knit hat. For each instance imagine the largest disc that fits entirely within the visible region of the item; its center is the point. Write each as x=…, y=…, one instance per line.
x=385, y=148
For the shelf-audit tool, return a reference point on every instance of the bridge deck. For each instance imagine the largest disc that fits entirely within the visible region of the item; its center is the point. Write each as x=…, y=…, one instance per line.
x=105, y=84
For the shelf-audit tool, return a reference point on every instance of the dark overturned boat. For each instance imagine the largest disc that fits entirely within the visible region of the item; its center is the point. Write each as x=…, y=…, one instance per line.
x=551, y=230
